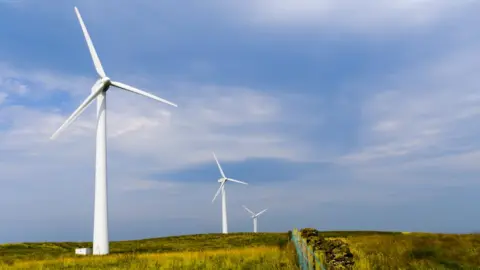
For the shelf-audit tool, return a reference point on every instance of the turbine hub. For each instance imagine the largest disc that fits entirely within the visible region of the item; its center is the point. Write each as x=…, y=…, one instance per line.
x=106, y=81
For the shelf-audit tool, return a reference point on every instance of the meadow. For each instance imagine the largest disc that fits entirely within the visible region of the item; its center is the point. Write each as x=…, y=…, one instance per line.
x=206, y=251
x=370, y=250
x=400, y=250
x=415, y=251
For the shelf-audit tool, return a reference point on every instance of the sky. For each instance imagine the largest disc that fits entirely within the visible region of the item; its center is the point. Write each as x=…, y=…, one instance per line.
x=340, y=114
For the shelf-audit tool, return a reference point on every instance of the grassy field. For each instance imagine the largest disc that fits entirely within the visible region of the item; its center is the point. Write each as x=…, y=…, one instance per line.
x=239, y=258
x=207, y=251
x=416, y=251
x=397, y=250
x=371, y=250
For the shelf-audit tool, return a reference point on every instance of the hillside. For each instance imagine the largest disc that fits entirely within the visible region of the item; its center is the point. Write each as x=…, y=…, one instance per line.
x=397, y=250
x=416, y=251
x=371, y=250
x=204, y=251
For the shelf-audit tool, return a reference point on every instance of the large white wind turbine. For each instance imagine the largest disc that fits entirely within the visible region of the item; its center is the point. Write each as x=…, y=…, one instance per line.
x=254, y=217
x=99, y=90
x=222, y=182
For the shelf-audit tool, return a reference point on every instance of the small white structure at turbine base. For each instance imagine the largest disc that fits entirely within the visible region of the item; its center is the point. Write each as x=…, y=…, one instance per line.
x=254, y=217
x=83, y=251
x=221, y=189
x=99, y=92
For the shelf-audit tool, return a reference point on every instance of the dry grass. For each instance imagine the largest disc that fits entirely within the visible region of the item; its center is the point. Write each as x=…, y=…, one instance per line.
x=372, y=250
x=266, y=257
x=203, y=251
x=200, y=242
x=409, y=250
x=416, y=251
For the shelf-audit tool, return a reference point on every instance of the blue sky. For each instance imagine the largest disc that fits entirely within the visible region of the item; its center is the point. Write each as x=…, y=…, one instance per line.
x=342, y=115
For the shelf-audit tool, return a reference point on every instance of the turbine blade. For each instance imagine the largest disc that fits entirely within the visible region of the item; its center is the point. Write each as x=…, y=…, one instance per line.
x=93, y=53
x=141, y=92
x=250, y=211
x=236, y=181
x=96, y=90
x=219, y=167
x=261, y=212
x=218, y=191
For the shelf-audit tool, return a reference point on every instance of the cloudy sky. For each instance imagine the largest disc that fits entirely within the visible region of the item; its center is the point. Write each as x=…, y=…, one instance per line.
x=341, y=114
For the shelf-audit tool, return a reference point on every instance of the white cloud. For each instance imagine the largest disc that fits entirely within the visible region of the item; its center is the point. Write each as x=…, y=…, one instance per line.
x=351, y=15
x=235, y=122
x=13, y=86
x=430, y=118
x=18, y=81
x=364, y=16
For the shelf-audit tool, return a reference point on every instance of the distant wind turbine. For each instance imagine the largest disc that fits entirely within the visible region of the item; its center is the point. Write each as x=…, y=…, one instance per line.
x=222, y=182
x=254, y=217
x=99, y=90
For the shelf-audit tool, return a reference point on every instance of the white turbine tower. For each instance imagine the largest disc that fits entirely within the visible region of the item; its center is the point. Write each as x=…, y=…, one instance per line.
x=254, y=217
x=222, y=182
x=99, y=89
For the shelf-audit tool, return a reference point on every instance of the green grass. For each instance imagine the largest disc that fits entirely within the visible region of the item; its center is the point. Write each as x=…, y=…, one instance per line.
x=262, y=258
x=150, y=253
x=374, y=250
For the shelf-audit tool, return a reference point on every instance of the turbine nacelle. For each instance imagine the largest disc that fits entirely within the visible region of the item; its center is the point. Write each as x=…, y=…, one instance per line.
x=106, y=81
x=103, y=83
x=220, y=180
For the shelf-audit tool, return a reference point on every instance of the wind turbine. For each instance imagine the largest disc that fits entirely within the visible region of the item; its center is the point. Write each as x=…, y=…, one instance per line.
x=222, y=182
x=99, y=90
x=254, y=217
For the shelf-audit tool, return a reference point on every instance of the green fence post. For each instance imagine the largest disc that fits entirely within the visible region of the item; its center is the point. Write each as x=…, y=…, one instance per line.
x=300, y=244
x=308, y=259
x=298, y=247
